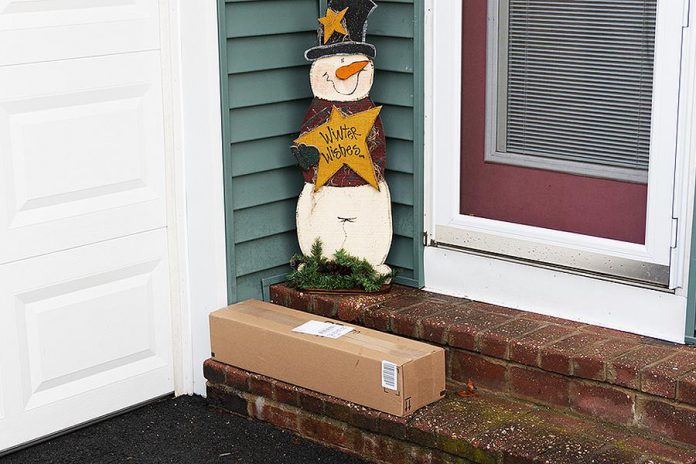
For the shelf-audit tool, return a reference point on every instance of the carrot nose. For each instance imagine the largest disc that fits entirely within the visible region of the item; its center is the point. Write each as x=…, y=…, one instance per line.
x=344, y=72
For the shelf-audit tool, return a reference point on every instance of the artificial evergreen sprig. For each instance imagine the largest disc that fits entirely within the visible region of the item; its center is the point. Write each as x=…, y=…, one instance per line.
x=344, y=272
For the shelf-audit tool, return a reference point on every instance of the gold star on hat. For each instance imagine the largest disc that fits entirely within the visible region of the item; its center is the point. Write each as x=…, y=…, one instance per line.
x=333, y=23
x=343, y=140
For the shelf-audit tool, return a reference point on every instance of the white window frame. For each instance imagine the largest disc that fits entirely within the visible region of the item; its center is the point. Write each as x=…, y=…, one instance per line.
x=493, y=121
x=546, y=289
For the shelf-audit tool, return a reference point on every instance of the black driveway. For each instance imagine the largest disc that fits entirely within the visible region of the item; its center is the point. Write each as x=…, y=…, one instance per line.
x=182, y=431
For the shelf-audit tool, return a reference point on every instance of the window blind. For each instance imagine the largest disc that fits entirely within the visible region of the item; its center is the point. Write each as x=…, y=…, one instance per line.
x=575, y=80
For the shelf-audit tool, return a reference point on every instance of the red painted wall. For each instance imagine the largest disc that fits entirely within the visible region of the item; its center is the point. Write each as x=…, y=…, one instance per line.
x=597, y=207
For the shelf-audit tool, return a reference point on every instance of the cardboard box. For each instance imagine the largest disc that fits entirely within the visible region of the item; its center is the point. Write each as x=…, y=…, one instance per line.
x=381, y=371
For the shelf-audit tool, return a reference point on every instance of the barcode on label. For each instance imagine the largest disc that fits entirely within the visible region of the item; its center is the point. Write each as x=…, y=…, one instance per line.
x=389, y=371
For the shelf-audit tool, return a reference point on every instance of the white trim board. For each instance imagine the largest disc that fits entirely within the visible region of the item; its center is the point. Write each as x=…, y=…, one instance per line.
x=199, y=216
x=550, y=292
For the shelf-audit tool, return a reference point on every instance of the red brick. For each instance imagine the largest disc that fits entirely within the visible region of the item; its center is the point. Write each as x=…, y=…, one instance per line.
x=279, y=294
x=673, y=421
x=324, y=305
x=592, y=362
x=609, y=403
x=379, y=316
x=436, y=328
x=311, y=401
x=625, y=370
x=214, y=371
x=555, y=320
x=482, y=371
x=611, y=333
x=228, y=400
x=686, y=390
x=236, y=378
x=298, y=300
x=557, y=356
x=286, y=393
x=408, y=321
x=324, y=430
x=661, y=378
x=539, y=385
x=496, y=342
x=525, y=350
x=260, y=385
x=495, y=309
x=381, y=448
x=285, y=418
x=464, y=332
x=654, y=448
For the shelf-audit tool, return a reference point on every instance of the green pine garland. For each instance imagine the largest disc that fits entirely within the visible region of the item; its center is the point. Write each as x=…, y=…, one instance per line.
x=342, y=273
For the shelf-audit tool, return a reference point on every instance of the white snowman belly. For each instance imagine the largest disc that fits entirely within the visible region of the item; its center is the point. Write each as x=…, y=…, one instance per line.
x=357, y=219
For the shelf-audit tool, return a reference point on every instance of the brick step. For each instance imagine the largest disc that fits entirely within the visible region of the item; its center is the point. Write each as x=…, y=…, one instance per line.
x=613, y=376
x=482, y=429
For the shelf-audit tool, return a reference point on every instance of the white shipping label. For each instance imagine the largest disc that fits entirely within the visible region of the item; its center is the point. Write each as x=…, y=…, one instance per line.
x=389, y=375
x=323, y=329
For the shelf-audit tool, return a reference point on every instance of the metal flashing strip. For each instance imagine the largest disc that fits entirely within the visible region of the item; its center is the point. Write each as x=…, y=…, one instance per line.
x=587, y=262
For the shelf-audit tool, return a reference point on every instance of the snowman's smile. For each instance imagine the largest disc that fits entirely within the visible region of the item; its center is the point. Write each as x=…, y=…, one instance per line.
x=349, y=88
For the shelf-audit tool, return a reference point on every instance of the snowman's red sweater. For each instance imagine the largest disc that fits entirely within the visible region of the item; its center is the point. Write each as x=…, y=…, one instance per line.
x=319, y=113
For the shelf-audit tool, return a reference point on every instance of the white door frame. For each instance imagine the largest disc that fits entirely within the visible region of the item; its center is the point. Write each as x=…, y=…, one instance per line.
x=534, y=288
x=196, y=192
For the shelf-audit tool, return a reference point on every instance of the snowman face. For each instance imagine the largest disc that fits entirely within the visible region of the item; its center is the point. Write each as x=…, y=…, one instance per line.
x=342, y=77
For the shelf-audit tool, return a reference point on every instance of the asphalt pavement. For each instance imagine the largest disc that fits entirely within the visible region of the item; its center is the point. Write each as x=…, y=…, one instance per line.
x=182, y=431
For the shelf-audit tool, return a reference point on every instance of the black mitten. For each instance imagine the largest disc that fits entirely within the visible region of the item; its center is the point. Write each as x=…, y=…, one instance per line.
x=307, y=156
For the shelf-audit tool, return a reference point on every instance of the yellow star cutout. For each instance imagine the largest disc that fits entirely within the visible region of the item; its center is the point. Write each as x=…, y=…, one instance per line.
x=333, y=23
x=343, y=140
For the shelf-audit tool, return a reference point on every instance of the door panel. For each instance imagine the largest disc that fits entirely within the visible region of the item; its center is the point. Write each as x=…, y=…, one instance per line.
x=81, y=153
x=85, y=332
x=61, y=29
x=84, y=273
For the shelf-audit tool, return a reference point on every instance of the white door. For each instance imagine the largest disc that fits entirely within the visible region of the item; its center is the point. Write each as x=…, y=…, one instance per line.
x=84, y=274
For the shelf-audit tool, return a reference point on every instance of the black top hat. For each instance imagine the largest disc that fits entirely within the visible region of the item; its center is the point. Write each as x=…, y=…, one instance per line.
x=350, y=38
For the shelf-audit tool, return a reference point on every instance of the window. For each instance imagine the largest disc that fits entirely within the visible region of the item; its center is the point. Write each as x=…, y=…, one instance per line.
x=571, y=86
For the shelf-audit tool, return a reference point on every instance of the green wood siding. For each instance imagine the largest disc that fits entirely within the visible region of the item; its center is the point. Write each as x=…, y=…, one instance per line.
x=265, y=92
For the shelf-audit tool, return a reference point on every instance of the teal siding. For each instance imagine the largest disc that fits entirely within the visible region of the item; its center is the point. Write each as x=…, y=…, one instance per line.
x=265, y=88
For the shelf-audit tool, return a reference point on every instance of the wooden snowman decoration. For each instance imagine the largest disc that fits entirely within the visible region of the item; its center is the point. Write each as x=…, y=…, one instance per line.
x=345, y=201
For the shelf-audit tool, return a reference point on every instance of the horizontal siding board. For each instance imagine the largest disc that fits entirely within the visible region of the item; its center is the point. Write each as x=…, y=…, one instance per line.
x=392, y=88
x=270, y=17
x=261, y=155
x=266, y=187
x=393, y=54
x=400, y=155
x=392, y=19
x=268, y=52
x=269, y=86
x=402, y=220
x=251, y=286
x=401, y=187
x=260, y=122
x=265, y=253
x=265, y=220
x=401, y=254
x=398, y=122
